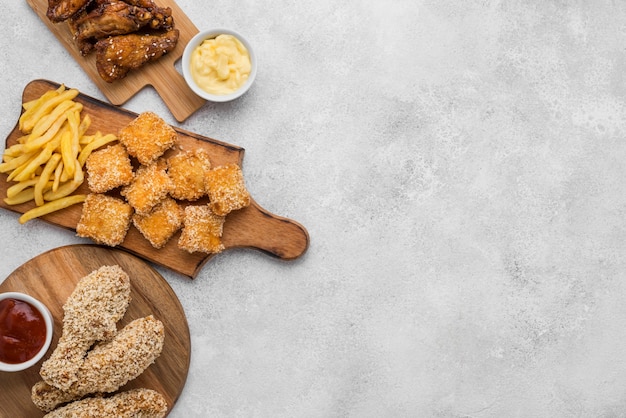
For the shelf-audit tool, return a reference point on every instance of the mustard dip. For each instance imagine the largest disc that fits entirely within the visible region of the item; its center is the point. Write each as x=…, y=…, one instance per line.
x=220, y=65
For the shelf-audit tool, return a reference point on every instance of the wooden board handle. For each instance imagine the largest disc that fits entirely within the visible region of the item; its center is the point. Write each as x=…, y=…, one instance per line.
x=173, y=89
x=257, y=228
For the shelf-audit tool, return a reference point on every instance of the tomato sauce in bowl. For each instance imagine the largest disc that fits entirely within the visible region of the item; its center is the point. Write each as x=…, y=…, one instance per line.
x=25, y=331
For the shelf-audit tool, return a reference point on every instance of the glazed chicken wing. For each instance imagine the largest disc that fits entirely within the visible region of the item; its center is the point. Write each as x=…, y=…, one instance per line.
x=60, y=10
x=113, y=17
x=117, y=55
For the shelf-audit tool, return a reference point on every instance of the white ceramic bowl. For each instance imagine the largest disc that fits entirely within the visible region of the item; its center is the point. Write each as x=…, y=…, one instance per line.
x=197, y=40
x=45, y=312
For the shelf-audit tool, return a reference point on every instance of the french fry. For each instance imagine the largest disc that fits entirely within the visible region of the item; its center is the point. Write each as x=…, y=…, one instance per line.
x=84, y=126
x=69, y=187
x=50, y=207
x=86, y=139
x=15, y=162
x=66, y=152
x=42, y=140
x=33, y=164
x=47, y=161
x=44, y=124
x=13, y=151
x=32, y=106
x=57, y=176
x=64, y=190
x=19, y=187
x=24, y=196
x=73, y=119
x=46, y=107
x=99, y=141
x=44, y=178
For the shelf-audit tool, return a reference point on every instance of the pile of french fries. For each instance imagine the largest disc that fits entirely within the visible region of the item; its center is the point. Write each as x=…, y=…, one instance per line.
x=47, y=162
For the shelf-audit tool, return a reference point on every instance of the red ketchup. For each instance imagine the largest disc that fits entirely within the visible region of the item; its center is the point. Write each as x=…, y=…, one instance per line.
x=22, y=331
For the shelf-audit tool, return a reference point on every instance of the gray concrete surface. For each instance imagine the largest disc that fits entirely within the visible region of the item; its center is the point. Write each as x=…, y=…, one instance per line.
x=459, y=166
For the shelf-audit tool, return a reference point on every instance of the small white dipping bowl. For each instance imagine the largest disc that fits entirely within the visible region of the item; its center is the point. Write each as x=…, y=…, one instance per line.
x=47, y=316
x=186, y=61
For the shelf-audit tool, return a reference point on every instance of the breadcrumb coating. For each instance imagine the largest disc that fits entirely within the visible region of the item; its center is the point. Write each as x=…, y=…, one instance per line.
x=188, y=171
x=159, y=225
x=202, y=230
x=91, y=313
x=104, y=219
x=226, y=189
x=147, y=137
x=109, y=365
x=108, y=169
x=134, y=403
x=150, y=186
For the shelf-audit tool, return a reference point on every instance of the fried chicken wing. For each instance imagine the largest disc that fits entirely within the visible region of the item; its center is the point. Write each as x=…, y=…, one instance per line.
x=113, y=17
x=117, y=55
x=61, y=10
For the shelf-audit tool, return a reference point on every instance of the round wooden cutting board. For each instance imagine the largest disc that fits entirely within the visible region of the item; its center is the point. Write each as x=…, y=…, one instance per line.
x=51, y=277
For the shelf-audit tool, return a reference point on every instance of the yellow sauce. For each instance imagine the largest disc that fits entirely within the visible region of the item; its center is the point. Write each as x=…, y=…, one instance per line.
x=220, y=65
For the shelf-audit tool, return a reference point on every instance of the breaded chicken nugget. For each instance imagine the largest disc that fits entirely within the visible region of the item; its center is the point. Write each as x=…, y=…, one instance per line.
x=159, y=225
x=147, y=137
x=104, y=219
x=227, y=190
x=202, y=230
x=110, y=365
x=134, y=403
x=188, y=171
x=108, y=169
x=91, y=313
x=150, y=186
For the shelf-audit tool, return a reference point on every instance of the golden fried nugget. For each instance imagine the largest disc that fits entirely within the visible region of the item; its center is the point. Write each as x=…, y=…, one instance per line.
x=150, y=186
x=145, y=403
x=188, y=171
x=90, y=314
x=202, y=230
x=108, y=169
x=104, y=219
x=159, y=225
x=147, y=137
x=226, y=189
x=110, y=365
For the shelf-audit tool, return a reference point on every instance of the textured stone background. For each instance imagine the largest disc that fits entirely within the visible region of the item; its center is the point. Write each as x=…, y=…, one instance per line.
x=459, y=167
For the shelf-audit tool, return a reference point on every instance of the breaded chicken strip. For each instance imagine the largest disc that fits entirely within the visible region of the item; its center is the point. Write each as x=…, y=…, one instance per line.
x=109, y=366
x=144, y=403
x=91, y=313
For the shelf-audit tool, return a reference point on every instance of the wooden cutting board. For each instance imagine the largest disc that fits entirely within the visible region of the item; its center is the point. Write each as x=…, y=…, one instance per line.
x=161, y=74
x=51, y=277
x=251, y=227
